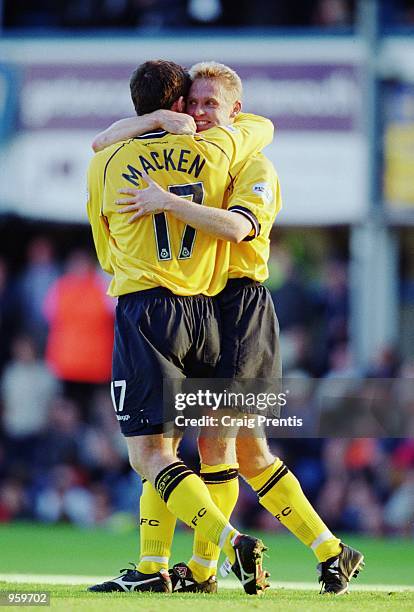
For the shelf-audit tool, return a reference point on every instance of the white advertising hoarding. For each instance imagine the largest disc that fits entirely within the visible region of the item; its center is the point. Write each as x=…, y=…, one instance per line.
x=69, y=90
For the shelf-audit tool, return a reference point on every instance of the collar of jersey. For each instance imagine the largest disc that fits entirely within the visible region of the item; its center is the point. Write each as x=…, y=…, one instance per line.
x=153, y=134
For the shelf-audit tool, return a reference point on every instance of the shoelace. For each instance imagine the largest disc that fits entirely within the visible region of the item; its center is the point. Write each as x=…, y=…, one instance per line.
x=125, y=570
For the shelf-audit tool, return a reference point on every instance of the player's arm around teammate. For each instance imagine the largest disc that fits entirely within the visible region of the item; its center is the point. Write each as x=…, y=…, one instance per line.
x=171, y=121
x=222, y=224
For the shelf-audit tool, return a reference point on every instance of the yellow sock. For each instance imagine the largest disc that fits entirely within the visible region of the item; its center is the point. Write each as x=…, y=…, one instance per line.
x=188, y=498
x=222, y=482
x=156, y=528
x=280, y=493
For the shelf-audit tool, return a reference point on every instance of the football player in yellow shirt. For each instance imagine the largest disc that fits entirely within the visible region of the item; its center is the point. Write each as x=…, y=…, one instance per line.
x=166, y=327
x=249, y=338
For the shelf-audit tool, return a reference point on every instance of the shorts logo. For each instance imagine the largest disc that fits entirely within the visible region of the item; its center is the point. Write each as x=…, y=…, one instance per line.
x=263, y=190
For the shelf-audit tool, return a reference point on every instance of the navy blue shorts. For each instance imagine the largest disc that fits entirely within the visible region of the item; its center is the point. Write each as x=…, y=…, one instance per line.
x=159, y=335
x=249, y=332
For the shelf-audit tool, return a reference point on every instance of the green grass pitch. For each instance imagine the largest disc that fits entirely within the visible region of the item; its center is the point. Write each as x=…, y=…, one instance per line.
x=64, y=550
x=74, y=598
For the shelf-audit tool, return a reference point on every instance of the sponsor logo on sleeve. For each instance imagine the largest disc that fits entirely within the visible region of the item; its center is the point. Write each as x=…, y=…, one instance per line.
x=264, y=190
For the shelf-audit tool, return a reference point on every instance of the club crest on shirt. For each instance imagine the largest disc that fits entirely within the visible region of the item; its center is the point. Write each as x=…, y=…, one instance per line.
x=264, y=190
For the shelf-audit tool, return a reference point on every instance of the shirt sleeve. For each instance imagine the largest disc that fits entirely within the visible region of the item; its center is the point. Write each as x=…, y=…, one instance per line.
x=98, y=222
x=256, y=194
x=248, y=135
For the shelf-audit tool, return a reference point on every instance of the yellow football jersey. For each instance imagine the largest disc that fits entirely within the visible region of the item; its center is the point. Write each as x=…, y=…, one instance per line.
x=256, y=194
x=159, y=250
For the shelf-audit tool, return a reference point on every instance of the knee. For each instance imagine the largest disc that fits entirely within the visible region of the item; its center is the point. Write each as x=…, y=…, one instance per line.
x=148, y=455
x=215, y=451
x=175, y=445
x=142, y=460
x=137, y=464
x=255, y=462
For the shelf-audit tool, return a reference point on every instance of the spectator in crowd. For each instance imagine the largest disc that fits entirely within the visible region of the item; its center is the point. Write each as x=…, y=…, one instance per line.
x=14, y=503
x=399, y=509
x=40, y=272
x=361, y=511
x=332, y=13
x=331, y=303
x=64, y=497
x=27, y=389
x=80, y=316
x=7, y=313
x=293, y=301
x=61, y=442
x=385, y=363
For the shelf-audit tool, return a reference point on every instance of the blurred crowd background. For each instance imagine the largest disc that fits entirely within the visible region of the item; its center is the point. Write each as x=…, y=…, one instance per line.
x=62, y=457
x=164, y=14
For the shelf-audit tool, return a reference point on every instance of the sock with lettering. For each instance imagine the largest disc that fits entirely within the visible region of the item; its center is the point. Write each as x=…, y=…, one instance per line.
x=222, y=482
x=188, y=498
x=156, y=529
x=280, y=493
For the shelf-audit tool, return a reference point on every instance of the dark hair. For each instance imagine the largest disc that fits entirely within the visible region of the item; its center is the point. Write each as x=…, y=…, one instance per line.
x=158, y=84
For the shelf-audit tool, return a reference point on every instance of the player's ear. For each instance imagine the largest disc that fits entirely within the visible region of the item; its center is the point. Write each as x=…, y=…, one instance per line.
x=236, y=109
x=179, y=105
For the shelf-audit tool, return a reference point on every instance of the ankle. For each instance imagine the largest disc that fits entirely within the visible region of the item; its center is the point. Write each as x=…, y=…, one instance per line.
x=202, y=569
x=228, y=546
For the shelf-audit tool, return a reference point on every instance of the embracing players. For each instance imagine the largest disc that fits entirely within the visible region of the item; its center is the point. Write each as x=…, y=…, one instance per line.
x=249, y=340
x=165, y=325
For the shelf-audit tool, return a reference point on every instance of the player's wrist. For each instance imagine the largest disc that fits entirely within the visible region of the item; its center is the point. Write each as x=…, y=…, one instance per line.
x=163, y=117
x=155, y=120
x=172, y=203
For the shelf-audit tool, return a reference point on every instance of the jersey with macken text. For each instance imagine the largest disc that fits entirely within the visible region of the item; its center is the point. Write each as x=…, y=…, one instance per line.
x=255, y=194
x=158, y=249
